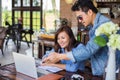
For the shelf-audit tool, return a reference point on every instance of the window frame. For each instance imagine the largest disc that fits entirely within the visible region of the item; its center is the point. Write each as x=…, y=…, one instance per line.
x=31, y=9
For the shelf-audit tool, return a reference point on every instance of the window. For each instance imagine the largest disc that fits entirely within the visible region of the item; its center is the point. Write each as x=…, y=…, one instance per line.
x=34, y=13
x=26, y=19
x=51, y=12
x=36, y=3
x=31, y=13
x=26, y=3
x=6, y=11
x=17, y=15
x=36, y=21
x=17, y=3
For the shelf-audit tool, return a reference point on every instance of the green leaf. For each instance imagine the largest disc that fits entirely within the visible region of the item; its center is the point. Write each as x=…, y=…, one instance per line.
x=100, y=41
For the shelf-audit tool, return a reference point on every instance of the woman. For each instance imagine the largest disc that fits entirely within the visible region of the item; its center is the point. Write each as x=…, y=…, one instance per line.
x=65, y=42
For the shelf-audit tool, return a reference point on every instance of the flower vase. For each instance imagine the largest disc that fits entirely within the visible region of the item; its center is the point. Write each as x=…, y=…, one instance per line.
x=111, y=66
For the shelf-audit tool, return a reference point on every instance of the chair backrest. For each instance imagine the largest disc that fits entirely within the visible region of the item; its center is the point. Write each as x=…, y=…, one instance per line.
x=30, y=31
x=2, y=37
x=10, y=29
x=7, y=23
x=2, y=32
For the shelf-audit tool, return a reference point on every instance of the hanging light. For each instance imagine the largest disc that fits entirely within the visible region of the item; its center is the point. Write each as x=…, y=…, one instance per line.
x=69, y=1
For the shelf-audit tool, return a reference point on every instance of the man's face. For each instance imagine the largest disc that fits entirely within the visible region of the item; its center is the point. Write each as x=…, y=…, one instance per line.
x=84, y=18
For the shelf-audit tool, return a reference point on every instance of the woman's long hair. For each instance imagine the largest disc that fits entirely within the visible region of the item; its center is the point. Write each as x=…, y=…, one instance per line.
x=72, y=42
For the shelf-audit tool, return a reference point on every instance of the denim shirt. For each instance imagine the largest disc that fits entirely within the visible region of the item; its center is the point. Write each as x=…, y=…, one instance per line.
x=70, y=66
x=98, y=55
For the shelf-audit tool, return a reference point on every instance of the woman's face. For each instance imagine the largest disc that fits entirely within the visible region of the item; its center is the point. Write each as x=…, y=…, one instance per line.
x=63, y=39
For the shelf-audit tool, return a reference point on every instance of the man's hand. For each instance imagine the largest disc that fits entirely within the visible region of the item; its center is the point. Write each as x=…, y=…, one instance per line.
x=52, y=58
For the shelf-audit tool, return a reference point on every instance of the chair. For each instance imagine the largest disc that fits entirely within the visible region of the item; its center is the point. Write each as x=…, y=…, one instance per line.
x=24, y=32
x=21, y=33
x=17, y=33
x=10, y=32
x=2, y=38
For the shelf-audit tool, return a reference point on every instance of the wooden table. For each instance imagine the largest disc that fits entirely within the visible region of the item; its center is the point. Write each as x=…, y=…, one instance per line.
x=8, y=72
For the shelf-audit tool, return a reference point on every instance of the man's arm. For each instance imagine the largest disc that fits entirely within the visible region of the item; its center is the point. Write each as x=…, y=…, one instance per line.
x=55, y=57
x=80, y=53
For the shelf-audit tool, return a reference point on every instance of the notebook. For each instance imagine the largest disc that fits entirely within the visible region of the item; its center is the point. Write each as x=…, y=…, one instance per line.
x=26, y=65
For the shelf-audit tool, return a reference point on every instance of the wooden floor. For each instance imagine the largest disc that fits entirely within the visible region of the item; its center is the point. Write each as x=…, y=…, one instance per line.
x=8, y=58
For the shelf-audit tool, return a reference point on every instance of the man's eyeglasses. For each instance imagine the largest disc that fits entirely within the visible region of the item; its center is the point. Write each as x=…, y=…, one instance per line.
x=79, y=18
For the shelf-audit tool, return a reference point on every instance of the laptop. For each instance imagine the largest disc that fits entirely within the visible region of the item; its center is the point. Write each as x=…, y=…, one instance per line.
x=27, y=65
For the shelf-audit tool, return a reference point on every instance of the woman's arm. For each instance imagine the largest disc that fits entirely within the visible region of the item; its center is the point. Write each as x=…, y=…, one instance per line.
x=47, y=54
x=72, y=67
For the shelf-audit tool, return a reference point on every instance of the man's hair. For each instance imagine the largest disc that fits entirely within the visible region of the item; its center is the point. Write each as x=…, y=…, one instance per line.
x=84, y=5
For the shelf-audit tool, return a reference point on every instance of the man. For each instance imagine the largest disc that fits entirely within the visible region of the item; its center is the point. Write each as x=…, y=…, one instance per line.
x=88, y=15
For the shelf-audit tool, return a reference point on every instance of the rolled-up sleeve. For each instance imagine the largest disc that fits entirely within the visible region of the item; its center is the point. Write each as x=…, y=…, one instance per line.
x=73, y=67
x=83, y=52
x=70, y=56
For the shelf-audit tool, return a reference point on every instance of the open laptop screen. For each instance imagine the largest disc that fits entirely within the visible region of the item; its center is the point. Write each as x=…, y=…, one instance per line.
x=26, y=65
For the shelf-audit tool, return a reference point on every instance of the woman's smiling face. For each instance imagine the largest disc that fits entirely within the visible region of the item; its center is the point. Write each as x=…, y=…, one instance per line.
x=63, y=39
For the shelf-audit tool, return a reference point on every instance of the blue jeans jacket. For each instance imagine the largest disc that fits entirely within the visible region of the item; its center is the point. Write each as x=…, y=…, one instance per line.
x=98, y=55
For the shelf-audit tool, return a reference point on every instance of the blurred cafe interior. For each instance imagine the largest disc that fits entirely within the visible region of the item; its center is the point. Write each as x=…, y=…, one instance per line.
x=28, y=26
